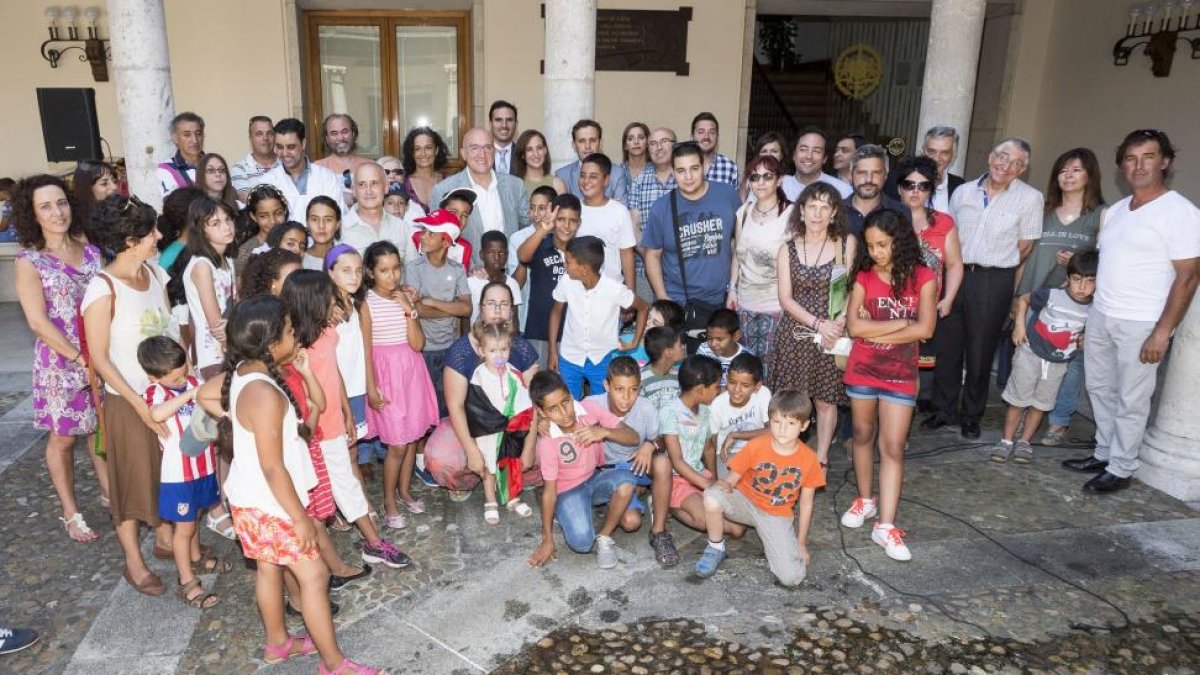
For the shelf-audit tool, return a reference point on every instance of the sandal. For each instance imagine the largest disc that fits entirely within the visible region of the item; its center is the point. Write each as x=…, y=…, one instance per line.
x=414, y=506
x=82, y=534
x=150, y=585
x=520, y=508
x=491, y=513
x=273, y=654
x=397, y=522
x=167, y=554
x=201, y=599
x=339, y=524
x=226, y=531
x=212, y=565
x=459, y=496
x=349, y=667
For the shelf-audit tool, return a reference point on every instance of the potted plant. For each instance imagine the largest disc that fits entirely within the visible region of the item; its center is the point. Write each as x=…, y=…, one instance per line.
x=778, y=38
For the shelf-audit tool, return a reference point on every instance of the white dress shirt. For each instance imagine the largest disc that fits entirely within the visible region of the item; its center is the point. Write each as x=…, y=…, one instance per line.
x=592, y=322
x=488, y=204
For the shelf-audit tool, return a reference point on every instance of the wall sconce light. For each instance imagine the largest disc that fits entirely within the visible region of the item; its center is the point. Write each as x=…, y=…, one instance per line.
x=93, y=50
x=1159, y=26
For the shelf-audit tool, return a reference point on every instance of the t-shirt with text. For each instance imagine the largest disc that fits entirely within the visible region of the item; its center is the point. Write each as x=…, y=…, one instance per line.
x=1055, y=324
x=773, y=481
x=706, y=228
x=885, y=366
x=567, y=462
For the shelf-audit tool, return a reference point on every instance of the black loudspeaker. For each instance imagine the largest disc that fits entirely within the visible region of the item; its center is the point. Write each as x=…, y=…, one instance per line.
x=69, y=125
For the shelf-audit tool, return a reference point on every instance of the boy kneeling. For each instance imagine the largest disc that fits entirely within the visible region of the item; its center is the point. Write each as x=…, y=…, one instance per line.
x=770, y=474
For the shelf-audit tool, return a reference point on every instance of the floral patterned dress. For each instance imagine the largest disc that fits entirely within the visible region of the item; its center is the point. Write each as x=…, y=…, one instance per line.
x=62, y=402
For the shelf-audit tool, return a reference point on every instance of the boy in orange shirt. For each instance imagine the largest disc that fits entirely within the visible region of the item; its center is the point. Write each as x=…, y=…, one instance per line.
x=770, y=475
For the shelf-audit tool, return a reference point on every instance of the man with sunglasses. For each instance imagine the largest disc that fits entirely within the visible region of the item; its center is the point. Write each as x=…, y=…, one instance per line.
x=339, y=133
x=999, y=219
x=297, y=177
x=868, y=173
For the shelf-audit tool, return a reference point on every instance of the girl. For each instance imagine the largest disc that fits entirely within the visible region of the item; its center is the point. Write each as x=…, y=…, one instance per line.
x=499, y=412
x=208, y=280
x=212, y=176
x=345, y=267
x=265, y=208
x=324, y=219
x=289, y=236
x=265, y=273
x=269, y=481
x=402, y=403
x=531, y=160
x=892, y=307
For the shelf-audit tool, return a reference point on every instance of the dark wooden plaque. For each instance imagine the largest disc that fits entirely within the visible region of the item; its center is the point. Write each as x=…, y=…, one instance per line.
x=642, y=40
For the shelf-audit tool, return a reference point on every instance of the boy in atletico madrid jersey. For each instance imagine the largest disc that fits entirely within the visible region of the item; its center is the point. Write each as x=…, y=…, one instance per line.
x=766, y=479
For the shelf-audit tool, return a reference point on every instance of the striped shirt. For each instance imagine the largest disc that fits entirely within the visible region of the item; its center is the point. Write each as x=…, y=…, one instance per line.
x=389, y=321
x=176, y=466
x=990, y=227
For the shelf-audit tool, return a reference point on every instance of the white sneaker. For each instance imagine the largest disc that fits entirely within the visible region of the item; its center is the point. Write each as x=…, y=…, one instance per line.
x=860, y=509
x=606, y=552
x=891, y=538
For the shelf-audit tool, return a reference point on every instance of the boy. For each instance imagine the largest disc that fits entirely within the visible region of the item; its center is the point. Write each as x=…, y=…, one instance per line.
x=460, y=202
x=723, y=332
x=539, y=212
x=442, y=294
x=396, y=200
x=739, y=413
x=1044, y=348
x=607, y=219
x=770, y=475
x=493, y=251
x=545, y=253
x=189, y=482
x=569, y=453
x=686, y=428
x=592, y=303
x=660, y=379
x=652, y=468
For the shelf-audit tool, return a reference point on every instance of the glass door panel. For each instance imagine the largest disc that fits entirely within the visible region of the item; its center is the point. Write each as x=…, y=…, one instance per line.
x=427, y=71
x=351, y=78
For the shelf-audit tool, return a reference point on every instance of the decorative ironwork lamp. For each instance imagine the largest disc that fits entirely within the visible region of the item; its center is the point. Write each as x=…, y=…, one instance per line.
x=1159, y=27
x=92, y=49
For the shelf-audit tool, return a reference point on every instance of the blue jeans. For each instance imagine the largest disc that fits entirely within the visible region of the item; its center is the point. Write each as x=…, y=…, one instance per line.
x=574, y=375
x=1068, y=393
x=574, y=507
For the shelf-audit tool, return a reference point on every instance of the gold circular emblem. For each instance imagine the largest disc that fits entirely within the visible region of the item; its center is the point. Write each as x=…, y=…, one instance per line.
x=896, y=146
x=858, y=71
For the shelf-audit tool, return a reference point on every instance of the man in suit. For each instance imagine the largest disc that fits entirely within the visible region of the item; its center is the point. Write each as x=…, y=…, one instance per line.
x=501, y=203
x=502, y=118
x=941, y=145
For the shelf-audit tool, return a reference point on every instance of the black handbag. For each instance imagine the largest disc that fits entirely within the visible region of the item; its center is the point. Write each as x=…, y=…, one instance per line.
x=696, y=313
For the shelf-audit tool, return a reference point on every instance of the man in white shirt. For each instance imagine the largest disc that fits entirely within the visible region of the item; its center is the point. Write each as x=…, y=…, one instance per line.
x=607, y=219
x=296, y=177
x=1149, y=268
x=368, y=222
x=809, y=158
x=187, y=134
x=261, y=158
x=502, y=118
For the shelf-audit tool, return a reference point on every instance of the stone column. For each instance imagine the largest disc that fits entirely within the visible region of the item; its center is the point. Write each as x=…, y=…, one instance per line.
x=145, y=103
x=570, y=78
x=951, y=61
x=1170, y=452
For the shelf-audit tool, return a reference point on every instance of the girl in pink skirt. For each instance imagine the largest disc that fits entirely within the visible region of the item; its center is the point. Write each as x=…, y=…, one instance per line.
x=402, y=406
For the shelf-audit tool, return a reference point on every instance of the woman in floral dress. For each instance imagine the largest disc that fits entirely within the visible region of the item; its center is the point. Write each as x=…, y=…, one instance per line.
x=52, y=270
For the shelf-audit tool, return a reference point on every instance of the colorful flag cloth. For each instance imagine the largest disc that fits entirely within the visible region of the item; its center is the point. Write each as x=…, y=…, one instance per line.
x=499, y=413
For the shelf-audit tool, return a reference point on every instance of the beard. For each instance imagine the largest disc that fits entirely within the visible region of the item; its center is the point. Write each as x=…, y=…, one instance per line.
x=868, y=191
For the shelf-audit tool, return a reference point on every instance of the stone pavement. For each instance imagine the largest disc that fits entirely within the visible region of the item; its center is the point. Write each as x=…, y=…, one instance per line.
x=1014, y=570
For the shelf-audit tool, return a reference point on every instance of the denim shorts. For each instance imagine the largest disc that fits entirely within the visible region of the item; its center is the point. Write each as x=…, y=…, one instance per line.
x=865, y=393
x=573, y=508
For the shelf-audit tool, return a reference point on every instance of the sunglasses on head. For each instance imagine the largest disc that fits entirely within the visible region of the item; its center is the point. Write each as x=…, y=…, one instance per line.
x=922, y=186
x=394, y=172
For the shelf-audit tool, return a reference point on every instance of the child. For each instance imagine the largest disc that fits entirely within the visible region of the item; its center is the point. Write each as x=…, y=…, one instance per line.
x=1046, y=342
x=309, y=296
x=456, y=208
x=651, y=467
x=893, y=306
x=442, y=295
x=208, y=280
x=686, y=428
x=264, y=273
x=545, y=253
x=493, y=251
x=402, y=403
x=739, y=413
x=499, y=412
x=662, y=313
x=290, y=236
x=660, y=379
x=569, y=454
x=539, y=218
x=723, y=335
x=396, y=200
x=607, y=219
x=265, y=208
x=766, y=479
x=189, y=484
x=324, y=219
x=593, y=305
x=263, y=422
x=346, y=269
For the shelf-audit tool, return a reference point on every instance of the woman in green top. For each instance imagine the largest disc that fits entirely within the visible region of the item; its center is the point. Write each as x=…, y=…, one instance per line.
x=1074, y=210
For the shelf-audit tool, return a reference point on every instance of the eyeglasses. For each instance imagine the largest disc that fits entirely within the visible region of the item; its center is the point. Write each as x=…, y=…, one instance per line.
x=1004, y=160
x=492, y=304
x=665, y=143
x=476, y=149
x=755, y=177
x=920, y=186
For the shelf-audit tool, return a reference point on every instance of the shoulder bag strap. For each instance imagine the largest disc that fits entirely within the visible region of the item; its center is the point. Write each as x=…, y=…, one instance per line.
x=678, y=244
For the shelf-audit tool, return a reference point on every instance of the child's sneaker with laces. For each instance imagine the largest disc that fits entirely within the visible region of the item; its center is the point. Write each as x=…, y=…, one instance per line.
x=385, y=553
x=1002, y=451
x=860, y=509
x=891, y=538
x=1022, y=453
x=709, y=561
x=606, y=552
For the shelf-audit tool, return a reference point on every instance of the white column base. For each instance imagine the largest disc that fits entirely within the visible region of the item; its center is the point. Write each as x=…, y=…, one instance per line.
x=1171, y=464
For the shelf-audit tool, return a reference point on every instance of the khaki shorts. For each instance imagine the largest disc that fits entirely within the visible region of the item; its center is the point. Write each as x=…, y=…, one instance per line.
x=1034, y=381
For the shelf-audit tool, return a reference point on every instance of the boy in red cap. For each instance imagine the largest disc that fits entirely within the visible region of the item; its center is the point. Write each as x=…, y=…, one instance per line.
x=443, y=297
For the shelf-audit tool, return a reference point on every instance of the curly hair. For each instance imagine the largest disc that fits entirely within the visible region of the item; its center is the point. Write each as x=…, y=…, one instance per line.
x=119, y=220
x=825, y=193
x=29, y=232
x=262, y=270
x=906, y=250
x=441, y=152
x=172, y=222
x=246, y=226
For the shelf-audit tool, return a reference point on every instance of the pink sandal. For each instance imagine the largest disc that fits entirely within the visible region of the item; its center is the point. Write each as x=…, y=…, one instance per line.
x=273, y=654
x=349, y=667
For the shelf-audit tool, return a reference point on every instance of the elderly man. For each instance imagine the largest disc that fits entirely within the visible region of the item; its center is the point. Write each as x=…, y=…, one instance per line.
x=187, y=134
x=809, y=158
x=367, y=222
x=502, y=118
x=1149, y=267
x=261, y=159
x=586, y=139
x=501, y=203
x=868, y=172
x=941, y=145
x=717, y=167
x=999, y=219
x=298, y=178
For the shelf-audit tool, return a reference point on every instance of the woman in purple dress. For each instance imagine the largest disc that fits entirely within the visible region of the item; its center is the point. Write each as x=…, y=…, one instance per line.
x=52, y=270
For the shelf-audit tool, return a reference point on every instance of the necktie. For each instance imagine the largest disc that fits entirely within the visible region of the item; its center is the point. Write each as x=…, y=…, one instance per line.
x=503, y=161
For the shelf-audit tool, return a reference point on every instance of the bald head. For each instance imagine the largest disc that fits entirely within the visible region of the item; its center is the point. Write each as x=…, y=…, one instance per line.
x=370, y=186
x=478, y=151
